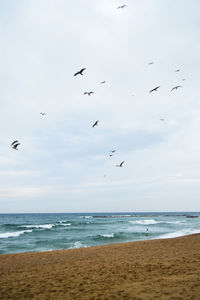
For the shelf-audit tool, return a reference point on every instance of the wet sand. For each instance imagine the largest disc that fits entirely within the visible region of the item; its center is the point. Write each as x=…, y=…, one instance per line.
x=158, y=269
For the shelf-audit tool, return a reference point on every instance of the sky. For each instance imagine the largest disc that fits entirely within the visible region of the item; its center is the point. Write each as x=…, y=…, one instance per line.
x=63, y=163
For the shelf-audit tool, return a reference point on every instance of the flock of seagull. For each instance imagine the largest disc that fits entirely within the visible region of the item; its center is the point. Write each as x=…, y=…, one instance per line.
x=16, y=143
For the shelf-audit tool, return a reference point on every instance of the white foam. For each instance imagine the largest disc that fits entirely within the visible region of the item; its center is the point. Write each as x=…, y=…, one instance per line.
x=108, y=235
x=78, y=244
x=45, y=226
x=178, y=233
x=13, y=234
x=175, y=222
x=145, y=222
x=66, y=224
x=87, y=217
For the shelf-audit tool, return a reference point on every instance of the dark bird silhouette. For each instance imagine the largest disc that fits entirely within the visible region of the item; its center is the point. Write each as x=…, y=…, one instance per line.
x=151, y=63
x=88, y=93
x=95, y=124
x=177, y=70
x=176, y=87
x=80, y=72
x=14, y=143
x=113, y=151
x=183, y=79
x=110, y=155
x=162, y=119
x=102, y=82
x=43, y=114
x=120, y=165
x=14, y=146
x=155, y=89
x=122, y=6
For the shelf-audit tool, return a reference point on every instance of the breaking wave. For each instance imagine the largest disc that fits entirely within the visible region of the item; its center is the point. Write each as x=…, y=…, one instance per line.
x=13, y=234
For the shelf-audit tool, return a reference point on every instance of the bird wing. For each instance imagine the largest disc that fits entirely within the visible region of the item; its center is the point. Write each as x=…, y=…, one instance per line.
x=122, y=163
x=15, y=146
x=176, y=87
x=82, y=70
x=154, y=89
x=14, y=142
x=95, y=124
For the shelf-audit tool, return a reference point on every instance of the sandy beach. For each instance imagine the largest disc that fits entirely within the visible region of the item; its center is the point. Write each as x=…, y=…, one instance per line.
x=157, y=269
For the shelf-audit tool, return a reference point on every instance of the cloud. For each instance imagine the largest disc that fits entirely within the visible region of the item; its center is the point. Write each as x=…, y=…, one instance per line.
x=61, y=156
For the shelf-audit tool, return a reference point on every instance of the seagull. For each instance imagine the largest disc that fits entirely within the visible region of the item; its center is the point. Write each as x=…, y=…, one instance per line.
x=113, y=151
x=14, y=143
x=122, y=6
x=120, y=165
x=177, y=70
x=15, y=146
x=43, y=114
x=95, y=124
x=88, y=93
x=162, y=119
x=155, y=89
x=80, y=72
x=110, y=155
x=183, y=79
x=151, y=63
x=102, y=82
x=176, y=87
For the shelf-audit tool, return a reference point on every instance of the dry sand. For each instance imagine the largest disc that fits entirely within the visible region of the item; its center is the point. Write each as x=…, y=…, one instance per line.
x=158, y=269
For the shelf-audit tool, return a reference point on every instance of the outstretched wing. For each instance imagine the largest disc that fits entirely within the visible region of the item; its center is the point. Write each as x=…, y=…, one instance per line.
x=14, y=143
x=15, y=146
x=95, y=124
x=121, y=163
x=82, y=70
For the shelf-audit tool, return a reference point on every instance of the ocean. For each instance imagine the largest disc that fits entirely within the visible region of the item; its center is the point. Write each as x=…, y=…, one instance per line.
x=47, y=232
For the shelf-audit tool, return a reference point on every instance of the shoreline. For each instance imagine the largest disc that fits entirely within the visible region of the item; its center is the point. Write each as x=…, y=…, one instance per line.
x=96, y=246
x=150, y=269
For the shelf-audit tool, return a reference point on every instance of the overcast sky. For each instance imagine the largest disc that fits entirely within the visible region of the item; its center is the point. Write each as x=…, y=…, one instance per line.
x=63, y=164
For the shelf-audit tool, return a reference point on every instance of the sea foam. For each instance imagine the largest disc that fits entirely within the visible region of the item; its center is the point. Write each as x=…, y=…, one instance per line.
x=108, y=235
x=44, y=226
x=178, y=233
x=13, y=234
x=78, y=244
x=145, y=222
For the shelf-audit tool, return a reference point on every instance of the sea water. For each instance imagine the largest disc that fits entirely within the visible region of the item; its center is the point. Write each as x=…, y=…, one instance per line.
x=46, y=232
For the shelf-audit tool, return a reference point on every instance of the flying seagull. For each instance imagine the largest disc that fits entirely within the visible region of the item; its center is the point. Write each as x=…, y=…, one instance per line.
x=183, y=79
x=177, y=70
x=122, y=6
x=110, y=155
x=88, y=93
x=155, y=89
x=14, y=143
x=113, y=151
x=95, y=124
x=176, y=87
x=102, y=82
x=14, y=146
x=151, y=63
x=120, y=165
x=80, y=72
x=162, y=119
x=43, y=114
